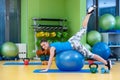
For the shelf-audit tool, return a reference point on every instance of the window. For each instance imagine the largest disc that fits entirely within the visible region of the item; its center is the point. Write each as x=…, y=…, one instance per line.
x=103, y=7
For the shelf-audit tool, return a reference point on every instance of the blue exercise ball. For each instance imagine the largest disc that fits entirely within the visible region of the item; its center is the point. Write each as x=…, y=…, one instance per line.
x=101, y=49
x=70, y=60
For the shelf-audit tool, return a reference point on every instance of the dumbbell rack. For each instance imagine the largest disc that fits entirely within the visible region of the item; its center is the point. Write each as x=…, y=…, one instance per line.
x=48, y=24
x=44, y=27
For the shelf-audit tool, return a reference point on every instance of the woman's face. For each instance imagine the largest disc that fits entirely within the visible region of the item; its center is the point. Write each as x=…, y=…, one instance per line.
x=45, y=45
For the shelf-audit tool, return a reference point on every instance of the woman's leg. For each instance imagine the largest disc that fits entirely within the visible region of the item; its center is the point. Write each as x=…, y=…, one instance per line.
x=80, y=48
x=79, y=34
x=85, y=21
x=106, y=62
x=90, y=11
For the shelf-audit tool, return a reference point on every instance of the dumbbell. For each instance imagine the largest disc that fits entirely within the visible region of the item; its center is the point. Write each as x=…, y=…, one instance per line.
x=93, y=67
x=103, y=70
x=26, y=61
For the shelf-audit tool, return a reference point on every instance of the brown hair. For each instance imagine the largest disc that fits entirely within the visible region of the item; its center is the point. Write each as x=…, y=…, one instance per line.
x=43, y=40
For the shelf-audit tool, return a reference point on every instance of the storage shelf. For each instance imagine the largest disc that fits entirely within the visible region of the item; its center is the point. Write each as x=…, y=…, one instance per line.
x=37, y=29
x=114, y=45
x=48, y=19
x=113, y=41
x=39, y=25
x=51, y=28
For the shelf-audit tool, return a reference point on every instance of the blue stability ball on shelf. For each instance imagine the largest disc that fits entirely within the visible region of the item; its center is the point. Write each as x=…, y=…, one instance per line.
x=69, y=61
x=101, y=49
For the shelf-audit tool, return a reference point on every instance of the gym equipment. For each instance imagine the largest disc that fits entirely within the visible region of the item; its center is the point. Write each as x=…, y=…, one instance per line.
x=37, y=35
x=21, y=63
x=41, y=34
x=52, y=34
x=103, y=70
x=50, y=41
x=101, y=49
x=9, y=49
x=107, y=22
x=117, y=25
x=93, y=37
x=65, y=34
x=93, y=67
x=26, y=61
x=46, y=34
x=59, y=34
x=59, y=71
x=70, y=60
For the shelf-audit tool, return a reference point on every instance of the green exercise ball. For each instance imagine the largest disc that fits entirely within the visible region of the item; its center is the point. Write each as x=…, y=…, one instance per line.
x=93, y=37
x=9, y=49
x=107, y=22
x=117, y=25
x=87, y=46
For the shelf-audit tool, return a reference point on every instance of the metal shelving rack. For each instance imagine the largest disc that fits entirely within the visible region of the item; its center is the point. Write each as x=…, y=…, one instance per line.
x=113, y=41
x=48, y=24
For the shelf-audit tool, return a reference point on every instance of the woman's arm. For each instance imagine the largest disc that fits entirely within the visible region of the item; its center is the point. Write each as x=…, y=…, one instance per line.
x=52, y=53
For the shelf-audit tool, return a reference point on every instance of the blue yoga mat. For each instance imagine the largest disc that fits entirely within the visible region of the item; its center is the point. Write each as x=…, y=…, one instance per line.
x=99, y=63
x=39, y=63
x=22, y=63
x=58, y=71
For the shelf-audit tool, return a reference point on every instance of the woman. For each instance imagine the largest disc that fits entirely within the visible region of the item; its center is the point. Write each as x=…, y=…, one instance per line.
x=73, y=44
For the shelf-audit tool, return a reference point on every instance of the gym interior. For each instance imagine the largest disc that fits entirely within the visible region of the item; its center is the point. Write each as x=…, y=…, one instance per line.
x=25, y=22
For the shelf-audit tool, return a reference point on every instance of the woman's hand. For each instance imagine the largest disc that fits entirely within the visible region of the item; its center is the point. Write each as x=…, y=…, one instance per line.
x=44, y=70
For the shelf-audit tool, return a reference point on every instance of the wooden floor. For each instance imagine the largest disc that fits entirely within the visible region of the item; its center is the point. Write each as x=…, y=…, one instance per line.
x=22, y=72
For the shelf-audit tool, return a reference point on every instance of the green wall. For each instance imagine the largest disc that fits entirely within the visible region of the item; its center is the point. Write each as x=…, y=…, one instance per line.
x=75, y=13
x=72, y=10
x=82, y=16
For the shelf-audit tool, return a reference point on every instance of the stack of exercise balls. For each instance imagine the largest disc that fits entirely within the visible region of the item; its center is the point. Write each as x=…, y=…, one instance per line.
x=9, y=50
x=96, y=46
x=107, y=22
x=94, y=38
